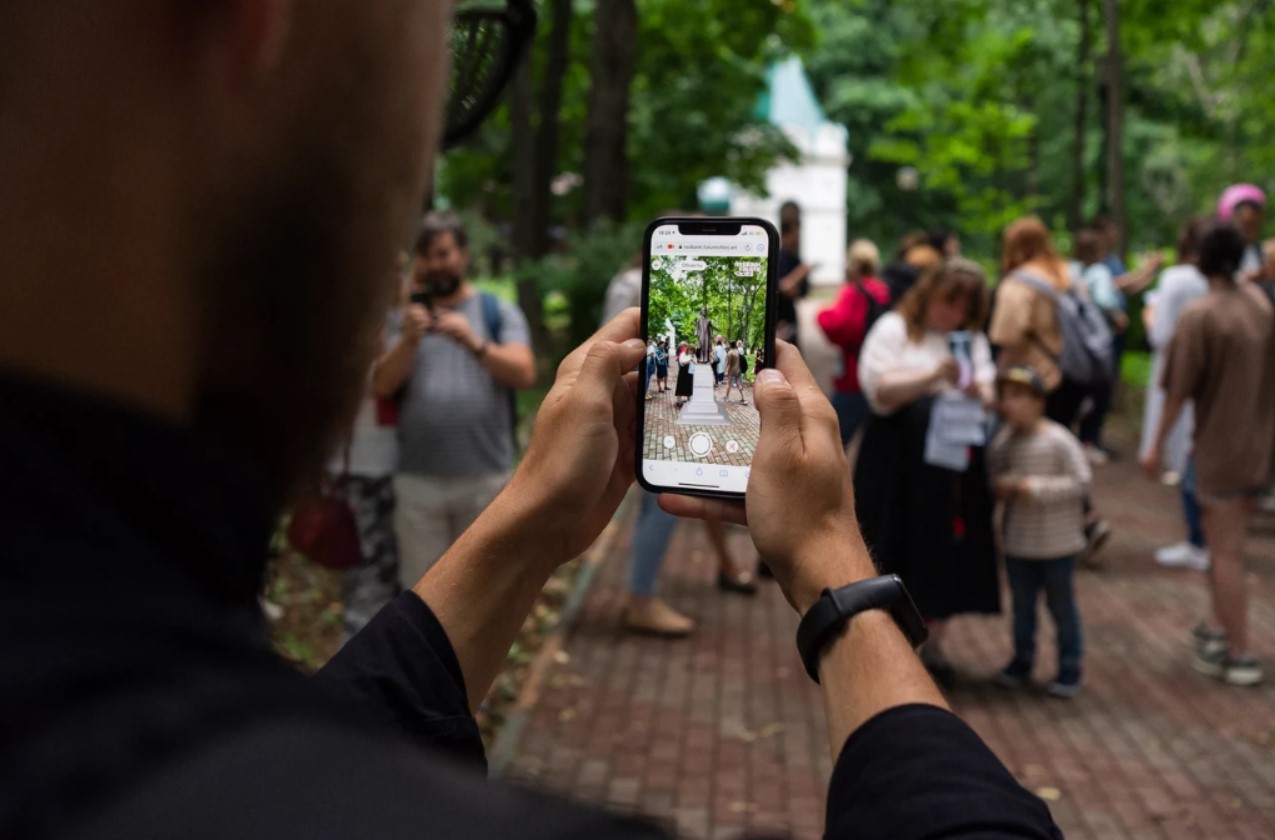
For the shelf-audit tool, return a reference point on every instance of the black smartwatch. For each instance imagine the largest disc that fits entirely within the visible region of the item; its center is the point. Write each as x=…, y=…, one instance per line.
x=830, y=613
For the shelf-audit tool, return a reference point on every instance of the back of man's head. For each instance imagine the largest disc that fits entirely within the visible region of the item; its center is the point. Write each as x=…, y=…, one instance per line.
x=248, y=166
x=1221, y=250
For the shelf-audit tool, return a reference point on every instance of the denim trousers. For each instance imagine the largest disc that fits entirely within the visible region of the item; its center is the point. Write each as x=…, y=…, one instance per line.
x=1056, y=577
x=651, y=537
x=1191, y=511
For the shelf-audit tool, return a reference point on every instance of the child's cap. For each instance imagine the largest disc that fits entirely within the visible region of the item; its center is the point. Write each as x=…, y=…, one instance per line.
x=1023, y=375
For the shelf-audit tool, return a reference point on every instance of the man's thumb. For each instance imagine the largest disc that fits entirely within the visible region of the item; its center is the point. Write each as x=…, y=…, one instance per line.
x=777, y=402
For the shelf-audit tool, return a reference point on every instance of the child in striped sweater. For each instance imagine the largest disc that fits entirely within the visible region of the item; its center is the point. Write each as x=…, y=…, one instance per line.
x=1041, y=475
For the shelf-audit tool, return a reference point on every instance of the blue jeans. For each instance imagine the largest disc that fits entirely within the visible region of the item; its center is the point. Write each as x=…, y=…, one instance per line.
x=1191, y=511
x=852, y=410
x=1026, y=579
x=651, y=537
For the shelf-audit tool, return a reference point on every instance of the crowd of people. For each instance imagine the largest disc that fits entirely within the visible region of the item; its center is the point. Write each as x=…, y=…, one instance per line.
x=158, y=422
x=930, y=349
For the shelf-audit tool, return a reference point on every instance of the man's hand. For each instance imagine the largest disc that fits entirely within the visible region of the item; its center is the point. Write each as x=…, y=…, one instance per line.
x=800, y=503
x=456, y=327
x=1150, y=463
x=416, y=321
x=580, y=461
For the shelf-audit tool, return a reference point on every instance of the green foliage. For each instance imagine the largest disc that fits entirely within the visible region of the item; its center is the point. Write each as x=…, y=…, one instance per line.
x=684, y=126
x=574, y=281
x=979, y=96
x=734, y=298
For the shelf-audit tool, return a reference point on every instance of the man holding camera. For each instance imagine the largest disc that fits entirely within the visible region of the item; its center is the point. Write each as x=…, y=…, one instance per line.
x=454, y=369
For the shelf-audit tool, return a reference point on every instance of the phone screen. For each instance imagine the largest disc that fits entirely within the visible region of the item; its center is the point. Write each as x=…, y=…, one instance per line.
x=707, y=306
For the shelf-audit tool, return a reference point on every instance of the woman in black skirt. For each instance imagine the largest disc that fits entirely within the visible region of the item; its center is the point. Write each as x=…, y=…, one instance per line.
x=685, y=382
x=930, y=525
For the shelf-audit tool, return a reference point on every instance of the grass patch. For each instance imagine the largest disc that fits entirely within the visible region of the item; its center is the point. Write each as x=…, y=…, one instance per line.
x=1135, y=369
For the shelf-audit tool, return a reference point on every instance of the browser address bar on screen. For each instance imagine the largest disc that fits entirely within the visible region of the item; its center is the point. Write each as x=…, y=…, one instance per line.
x=712, y=245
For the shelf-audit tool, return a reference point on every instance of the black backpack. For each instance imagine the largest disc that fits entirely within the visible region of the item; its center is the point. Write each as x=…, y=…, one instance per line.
x=495, y=327
x=875, y=310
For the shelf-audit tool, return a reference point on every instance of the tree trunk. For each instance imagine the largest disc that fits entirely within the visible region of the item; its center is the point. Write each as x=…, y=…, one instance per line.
x=525, y=223
x=1115, y=122
x=1084, y=51
x=611, y=66
x=557, y=57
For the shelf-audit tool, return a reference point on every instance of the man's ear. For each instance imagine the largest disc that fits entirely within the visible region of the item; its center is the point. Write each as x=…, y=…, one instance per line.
x=254, y=35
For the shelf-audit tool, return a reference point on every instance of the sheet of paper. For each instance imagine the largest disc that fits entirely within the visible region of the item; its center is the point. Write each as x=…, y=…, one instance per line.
x=958, y=419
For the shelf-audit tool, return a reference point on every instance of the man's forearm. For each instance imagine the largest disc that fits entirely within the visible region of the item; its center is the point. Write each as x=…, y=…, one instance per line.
x=870, y=666
x=1135, y=281
x=392, y=370
x=790, y=283
x=485, y=585
x=868, y=669
x=511, y=365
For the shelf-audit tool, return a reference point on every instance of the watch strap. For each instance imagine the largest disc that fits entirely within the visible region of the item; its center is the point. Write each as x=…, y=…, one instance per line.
x=829, y=614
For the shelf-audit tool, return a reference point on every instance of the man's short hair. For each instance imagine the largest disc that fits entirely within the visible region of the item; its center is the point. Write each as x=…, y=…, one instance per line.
x=1221, y=249
x=1090, y=245
x=435, y=225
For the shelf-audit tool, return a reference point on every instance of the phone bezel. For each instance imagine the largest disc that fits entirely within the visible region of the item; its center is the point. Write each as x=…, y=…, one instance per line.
x=704, y=226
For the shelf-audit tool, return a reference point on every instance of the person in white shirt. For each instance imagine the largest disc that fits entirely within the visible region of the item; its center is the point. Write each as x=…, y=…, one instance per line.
x=1177, y=287
x=365, y=469
x=928, y=524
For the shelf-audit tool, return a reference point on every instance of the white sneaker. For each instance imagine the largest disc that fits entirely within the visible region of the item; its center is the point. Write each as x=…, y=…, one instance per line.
x=1183, y=556
x=1096, y=456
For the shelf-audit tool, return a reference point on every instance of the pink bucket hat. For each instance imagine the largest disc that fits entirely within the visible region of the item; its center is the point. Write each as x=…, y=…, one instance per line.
x=1239, y=194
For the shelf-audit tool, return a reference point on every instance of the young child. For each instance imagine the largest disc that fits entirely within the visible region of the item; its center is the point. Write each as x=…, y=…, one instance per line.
x=1040, y=473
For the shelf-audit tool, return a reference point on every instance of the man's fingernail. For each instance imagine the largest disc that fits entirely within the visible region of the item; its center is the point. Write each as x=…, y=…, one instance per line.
x=635, y=344
x=770, y=376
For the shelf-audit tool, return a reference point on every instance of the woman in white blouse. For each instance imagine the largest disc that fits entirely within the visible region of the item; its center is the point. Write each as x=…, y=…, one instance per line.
x=930, y=525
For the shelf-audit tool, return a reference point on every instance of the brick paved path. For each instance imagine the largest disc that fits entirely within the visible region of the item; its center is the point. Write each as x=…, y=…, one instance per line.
x=723, y=732
x=661, y=424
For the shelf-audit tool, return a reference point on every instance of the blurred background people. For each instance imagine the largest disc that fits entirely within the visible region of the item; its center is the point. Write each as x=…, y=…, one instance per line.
x=1026, y=330
x=1178, y=286
x=930, y=525
x=1094, y=270
x=862, y=301
x=946, y=241
x=794, y=276
x=1220, y=358
x=458, y=361
x=1245, y=205
x=914, y=257
x=365, y=467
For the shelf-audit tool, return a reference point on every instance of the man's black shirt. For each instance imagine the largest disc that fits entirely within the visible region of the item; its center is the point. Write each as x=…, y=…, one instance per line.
x=140, y=697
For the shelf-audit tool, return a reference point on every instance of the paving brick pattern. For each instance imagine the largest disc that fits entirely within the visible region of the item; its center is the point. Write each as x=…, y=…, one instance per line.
x=661, y=422
x=722, y=732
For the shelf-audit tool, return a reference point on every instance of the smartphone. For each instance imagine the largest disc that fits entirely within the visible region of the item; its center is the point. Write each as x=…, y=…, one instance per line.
x=961, y=345
x=704, y=279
